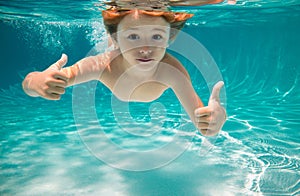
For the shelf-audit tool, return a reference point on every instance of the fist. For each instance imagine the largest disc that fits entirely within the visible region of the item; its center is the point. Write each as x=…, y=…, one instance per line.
x=49, y=84
x=210, y=119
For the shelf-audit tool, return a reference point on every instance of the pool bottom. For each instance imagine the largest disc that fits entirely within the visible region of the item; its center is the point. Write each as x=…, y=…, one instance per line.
x=42, y=153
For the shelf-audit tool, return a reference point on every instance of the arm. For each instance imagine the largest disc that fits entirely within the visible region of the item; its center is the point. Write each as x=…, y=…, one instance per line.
x=51, y=83
x=210, y=119
x=87, y=69
x=199, y=2
x=195, y=2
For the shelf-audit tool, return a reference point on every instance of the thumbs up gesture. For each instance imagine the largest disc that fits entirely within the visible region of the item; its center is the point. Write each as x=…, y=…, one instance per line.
x=211, y=118
x=49, y=84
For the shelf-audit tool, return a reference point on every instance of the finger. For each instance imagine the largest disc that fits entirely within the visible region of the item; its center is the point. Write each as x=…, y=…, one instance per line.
x=202, y=125
x=61, y=76
x=57, y=82
x=206, y=119
x=56, y=90
x=204, y=131
x=208, y=132
x=55, y=96
x=60, y=63
x=51, y=96
x=215, y=94
x=204, y=111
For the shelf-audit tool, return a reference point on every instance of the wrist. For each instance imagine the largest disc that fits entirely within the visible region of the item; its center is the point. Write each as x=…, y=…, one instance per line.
x=26, y=85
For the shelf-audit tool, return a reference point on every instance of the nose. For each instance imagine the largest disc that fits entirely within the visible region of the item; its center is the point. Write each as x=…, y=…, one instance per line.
x=145, y=51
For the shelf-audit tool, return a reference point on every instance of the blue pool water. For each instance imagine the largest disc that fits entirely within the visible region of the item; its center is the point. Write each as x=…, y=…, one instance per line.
x=62, y=147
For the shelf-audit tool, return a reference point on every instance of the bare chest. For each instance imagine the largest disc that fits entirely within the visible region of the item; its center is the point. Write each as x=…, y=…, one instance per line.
x=132, y=87
x=135, y=90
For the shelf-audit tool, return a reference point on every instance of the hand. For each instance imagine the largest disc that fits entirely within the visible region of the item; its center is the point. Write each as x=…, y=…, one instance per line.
x=211, y=118
x=49, y=84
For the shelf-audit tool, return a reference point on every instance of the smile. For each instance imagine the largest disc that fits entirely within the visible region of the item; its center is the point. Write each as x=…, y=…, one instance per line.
x=145, y=60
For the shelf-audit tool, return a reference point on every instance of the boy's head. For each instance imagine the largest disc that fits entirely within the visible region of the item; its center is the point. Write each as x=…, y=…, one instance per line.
x=112, y=18
x=143, y=36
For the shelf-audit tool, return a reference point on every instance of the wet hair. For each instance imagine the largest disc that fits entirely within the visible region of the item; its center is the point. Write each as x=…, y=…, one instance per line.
x=112, y=17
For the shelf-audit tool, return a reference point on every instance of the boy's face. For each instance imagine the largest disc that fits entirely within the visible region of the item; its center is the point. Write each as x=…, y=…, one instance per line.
x=143, y=39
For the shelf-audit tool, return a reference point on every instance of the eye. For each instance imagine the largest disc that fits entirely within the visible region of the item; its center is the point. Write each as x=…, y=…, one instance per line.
x=157, y=37
x=133, y=37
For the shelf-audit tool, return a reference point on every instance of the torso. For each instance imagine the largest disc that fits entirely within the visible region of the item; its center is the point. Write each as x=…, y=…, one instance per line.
x=132, y=89
x=148, y=91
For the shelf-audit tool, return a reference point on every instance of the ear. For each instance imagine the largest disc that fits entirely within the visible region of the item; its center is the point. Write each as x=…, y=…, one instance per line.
x=173, y=34
x=112, y=41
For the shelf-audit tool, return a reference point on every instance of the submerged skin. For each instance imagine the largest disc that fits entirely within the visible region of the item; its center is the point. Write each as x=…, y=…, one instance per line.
x=139, y=70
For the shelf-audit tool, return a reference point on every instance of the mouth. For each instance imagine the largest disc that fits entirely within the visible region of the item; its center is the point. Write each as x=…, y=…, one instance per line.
x=145, y=60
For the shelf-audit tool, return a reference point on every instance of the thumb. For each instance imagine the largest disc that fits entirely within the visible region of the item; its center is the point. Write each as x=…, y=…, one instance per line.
x=60, y=63
x=215, y=94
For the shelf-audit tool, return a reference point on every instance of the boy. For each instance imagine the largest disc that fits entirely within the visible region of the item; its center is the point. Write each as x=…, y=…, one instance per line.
x=138, y=70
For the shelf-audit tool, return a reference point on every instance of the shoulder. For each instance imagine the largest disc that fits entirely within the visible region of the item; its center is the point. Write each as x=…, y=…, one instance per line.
x=175, y=63
x=103, y=60
x=172, y=73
